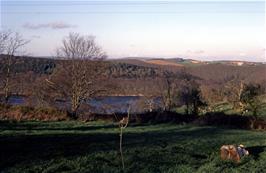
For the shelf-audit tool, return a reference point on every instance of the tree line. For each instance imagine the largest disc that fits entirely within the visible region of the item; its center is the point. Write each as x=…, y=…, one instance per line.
x=81, y=71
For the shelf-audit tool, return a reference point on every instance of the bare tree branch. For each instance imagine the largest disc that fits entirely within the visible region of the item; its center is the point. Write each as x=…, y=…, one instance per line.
x=11, y=44
x=80, y=69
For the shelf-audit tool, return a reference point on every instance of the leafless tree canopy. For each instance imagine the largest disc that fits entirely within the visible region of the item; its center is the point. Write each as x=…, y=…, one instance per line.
x=78, y=75
x=75, y=46
x=4, y=35
x=10, y=45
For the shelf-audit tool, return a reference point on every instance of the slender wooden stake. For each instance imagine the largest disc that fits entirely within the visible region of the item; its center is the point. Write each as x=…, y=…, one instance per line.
x=123, y=126
x=121, y=150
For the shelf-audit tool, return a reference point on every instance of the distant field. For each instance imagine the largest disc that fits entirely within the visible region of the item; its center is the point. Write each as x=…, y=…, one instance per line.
x=93, y=147
x=163, y=62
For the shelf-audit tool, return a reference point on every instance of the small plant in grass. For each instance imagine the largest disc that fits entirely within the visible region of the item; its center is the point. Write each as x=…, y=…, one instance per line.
x=122, y=125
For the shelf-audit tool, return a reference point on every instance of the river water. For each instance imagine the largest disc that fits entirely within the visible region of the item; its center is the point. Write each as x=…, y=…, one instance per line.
x=106, y=104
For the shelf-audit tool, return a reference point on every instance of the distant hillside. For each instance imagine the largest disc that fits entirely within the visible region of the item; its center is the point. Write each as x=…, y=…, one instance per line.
x=237, y=63
x=164, y=62
x=148, y=67
x=136, y=75
x=206, y=70
x=26, y=64
x=179, y=62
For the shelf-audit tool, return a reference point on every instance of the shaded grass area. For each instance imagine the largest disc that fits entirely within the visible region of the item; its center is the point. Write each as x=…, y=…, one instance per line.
x=93, y=147
x=227, y=108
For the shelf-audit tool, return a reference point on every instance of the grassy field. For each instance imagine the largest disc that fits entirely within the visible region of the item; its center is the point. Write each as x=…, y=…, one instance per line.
x=93, y=147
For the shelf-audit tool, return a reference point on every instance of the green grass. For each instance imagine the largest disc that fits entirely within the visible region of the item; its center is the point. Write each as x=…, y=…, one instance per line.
x=93, y=147
x=227, y=108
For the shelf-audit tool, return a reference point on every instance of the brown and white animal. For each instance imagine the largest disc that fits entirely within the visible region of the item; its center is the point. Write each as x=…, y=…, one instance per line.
x=233, y=152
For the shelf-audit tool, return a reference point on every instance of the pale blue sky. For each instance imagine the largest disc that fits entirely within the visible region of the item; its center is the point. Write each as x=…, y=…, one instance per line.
x=207, y=30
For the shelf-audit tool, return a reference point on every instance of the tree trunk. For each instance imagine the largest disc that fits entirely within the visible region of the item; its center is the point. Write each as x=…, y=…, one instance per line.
x=6, y=90
x=195, y=108
x=121, y=149
x=150, y=106
x=7, y=81
x=187, y=108
x=75, y=103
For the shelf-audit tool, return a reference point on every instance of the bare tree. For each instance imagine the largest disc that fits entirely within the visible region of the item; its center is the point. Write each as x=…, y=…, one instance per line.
x=150, y=102
x=168, y=85
x=190, y=95
x=234, y=88
x=79, y=71
x=10, y=46
x=4, y=35
x=213, y=95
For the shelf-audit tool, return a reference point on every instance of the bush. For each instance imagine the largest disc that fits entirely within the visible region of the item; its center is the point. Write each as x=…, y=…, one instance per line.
x=19, y=113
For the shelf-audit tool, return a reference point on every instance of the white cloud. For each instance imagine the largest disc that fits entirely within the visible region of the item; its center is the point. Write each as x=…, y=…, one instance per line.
x=51, y=25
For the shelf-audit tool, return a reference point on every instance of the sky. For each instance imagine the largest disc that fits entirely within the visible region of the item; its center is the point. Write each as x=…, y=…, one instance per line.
x=202, y=30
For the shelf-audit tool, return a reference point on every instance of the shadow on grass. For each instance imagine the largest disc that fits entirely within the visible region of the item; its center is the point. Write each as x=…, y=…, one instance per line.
x=20, y=126
x=256, y=150
x=25, y=148
x=16, y=149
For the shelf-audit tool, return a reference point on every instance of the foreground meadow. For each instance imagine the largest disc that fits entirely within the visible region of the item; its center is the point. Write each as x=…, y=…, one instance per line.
x=94, y=147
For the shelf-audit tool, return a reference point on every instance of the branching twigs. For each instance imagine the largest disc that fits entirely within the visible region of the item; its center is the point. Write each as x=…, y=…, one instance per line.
x=10, y=44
